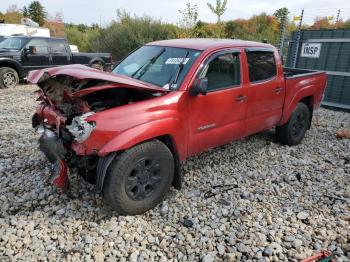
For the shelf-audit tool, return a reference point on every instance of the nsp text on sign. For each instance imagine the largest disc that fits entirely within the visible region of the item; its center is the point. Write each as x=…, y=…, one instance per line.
x=311, y=50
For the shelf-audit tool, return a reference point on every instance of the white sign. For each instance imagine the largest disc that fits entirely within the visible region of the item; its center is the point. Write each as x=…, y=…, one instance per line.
x=311, y=50
x=176, y=60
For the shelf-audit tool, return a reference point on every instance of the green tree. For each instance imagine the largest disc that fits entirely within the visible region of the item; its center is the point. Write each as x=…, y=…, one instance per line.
x=81, y=39
x=230, y=29
x=130, y=32
x=281, y=14
x=219, y=9
x=25, y=12
x=37, y=12
x=82, y=28
x=95, y=26
x=189, y=18
x=205, y=30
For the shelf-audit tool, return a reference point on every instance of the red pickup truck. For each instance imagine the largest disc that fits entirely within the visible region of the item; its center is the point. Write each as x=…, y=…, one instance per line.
x=128, y=131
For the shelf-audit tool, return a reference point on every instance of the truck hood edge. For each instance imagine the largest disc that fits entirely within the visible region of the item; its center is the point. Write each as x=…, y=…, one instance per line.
x=81, y=72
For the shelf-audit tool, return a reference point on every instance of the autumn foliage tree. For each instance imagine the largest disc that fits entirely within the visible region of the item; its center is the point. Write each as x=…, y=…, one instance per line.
x=256, y=28
x=12, y=15
x=321, y=23
x=55, y=25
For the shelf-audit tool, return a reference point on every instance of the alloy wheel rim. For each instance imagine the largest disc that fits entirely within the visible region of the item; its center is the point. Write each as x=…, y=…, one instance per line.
x=9, y=79
x=298, y=125
x=143, y=179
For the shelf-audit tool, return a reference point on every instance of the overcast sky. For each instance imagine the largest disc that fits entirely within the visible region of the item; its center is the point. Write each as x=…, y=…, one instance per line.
x=88, y=12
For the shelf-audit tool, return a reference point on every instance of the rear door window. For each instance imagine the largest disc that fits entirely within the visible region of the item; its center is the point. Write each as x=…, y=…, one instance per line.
x=58, y=47
x=262, y=65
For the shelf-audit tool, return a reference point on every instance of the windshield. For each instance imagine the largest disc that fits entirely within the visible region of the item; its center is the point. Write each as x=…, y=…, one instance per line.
x=158, y=65
x=13, y=43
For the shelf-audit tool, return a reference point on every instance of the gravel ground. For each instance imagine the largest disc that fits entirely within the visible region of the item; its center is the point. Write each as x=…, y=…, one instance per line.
x=289, y=203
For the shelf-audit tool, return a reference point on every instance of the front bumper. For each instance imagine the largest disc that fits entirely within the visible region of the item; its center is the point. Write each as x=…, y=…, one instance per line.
x=52, y=146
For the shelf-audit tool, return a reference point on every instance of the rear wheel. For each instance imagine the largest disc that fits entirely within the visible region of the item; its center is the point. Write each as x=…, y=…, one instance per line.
x=294, y=130
x=139, y=178
x=8, y=77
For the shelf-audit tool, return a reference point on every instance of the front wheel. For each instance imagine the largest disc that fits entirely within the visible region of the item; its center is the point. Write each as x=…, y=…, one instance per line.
x=8, y=77
x=292, y=132
x=139, y=178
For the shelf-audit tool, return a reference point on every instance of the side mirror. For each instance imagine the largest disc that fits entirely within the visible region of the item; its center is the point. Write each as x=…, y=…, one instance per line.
x=200, y=87
x=31, y=50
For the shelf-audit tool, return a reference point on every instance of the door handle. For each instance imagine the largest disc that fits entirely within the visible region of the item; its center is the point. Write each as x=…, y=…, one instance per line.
x=240, y=98
x=278, y=90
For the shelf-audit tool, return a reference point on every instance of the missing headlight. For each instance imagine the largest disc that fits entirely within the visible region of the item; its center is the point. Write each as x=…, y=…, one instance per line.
x=80, y=128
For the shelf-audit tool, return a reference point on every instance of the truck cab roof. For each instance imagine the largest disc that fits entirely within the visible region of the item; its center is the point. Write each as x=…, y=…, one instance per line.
x=208, y=43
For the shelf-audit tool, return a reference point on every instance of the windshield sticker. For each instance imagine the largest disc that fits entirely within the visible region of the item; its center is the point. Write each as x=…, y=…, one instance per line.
x=196, y=54
x=166, y=86
x=176, y=60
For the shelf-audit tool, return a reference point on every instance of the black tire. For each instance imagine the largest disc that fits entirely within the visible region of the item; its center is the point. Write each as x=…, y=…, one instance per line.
x=8, y=77
x=139, y=178
x=293, y=132
x=98, y=66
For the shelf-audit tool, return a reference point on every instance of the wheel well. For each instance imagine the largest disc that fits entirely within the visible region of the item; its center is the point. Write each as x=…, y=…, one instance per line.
x=10, y=65
x=104, y=162
x=308, y=101
x=168, y=141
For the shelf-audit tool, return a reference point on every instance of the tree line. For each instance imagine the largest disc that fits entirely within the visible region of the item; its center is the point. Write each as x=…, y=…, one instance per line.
x=129, y=31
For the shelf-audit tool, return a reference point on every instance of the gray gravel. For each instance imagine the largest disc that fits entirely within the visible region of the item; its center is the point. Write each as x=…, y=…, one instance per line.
x=289, y=203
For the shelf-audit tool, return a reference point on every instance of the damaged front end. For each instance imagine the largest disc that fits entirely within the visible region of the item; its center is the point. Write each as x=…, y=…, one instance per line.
x=55, y=151
x=70, y=97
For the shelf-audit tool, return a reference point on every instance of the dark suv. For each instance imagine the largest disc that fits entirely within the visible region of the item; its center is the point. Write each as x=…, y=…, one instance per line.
x=20, y=54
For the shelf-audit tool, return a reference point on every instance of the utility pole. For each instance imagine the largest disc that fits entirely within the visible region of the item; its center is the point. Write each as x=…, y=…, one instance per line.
x=338, y=16
x=295, y=58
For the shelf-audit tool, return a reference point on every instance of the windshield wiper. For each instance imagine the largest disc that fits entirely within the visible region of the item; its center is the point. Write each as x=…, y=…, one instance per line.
x=145, y=67
x=176, y=74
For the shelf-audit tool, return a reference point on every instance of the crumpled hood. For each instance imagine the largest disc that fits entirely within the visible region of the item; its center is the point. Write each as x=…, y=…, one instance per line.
x=81, y=72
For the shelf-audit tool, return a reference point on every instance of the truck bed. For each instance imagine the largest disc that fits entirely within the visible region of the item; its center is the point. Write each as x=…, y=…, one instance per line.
x=296, y=72
x=302, y=83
